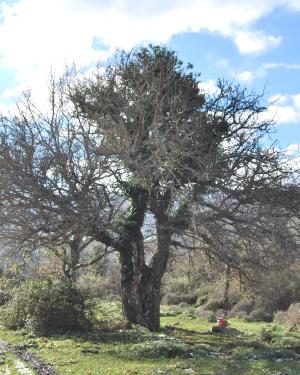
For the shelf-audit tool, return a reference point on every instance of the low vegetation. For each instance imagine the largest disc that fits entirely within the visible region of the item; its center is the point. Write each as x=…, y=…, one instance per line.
x=185, y=345
x=45, y=307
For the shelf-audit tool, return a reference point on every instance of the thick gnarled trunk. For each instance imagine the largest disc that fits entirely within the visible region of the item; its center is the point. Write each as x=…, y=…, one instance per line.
x=141, y=297
x=141, y=284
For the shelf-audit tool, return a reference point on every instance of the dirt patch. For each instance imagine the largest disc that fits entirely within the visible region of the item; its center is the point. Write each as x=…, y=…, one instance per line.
x=37, y=364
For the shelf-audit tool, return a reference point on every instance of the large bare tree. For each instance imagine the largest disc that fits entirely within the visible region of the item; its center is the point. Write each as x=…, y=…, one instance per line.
x=138, y=159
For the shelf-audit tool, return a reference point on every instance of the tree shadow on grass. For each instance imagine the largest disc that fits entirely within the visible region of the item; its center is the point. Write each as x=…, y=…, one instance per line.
x=107, y=335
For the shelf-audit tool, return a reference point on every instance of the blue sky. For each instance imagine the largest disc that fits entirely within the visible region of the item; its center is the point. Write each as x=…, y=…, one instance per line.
x=254, y=43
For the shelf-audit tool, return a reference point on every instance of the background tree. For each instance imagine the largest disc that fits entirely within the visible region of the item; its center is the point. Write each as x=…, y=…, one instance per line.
x=52, y=184
x=143, y=161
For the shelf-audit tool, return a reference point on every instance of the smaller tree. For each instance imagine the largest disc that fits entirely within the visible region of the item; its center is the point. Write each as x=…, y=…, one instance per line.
x=53, y=183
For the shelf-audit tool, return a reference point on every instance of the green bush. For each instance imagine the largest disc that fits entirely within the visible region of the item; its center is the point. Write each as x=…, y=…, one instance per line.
x=4, y=297
x=46, y=307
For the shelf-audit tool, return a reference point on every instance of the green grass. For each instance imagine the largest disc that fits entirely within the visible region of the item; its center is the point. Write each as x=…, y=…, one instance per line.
x=185, y=345
x=11, y=365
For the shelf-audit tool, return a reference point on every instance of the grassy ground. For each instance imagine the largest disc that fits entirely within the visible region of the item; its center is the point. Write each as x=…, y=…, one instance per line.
x=11, y=365
x=184, y=346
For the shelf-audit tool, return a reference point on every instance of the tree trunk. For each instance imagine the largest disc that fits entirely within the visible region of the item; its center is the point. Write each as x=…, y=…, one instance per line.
x=69, y=265
x=226, y=288
x=141, y=283
x=141, y=297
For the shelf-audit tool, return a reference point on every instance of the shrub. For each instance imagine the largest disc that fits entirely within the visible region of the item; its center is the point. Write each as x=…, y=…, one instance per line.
x=203, y=293
x=106, y=285
x=289, y=318
x=46, y=307
x=266, y=335
x=11, y=277
x=260, y=315
x=216, y=299
x=280, y=317
x=240, y=315
x=100, y=287
x=241, y=309
x=4, y=297
x=179, y=290
x=278, y=290
x=205, y=314
x=172, y=310
x=176, y=299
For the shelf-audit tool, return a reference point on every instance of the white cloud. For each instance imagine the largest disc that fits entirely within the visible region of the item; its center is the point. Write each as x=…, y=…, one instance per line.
x=6, y=109
x=296, y=100
x=278, y=99
x=284, y=109
x=35, y=34
x=209, y=86
x=255, y=42
x=248, y=76
x=293, y=149
x=285, y=114
x=294, y=4
x=292, y=153
x=269, y=66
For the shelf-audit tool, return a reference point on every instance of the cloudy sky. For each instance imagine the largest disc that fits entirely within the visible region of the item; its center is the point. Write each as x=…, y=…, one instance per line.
x=251, y=42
